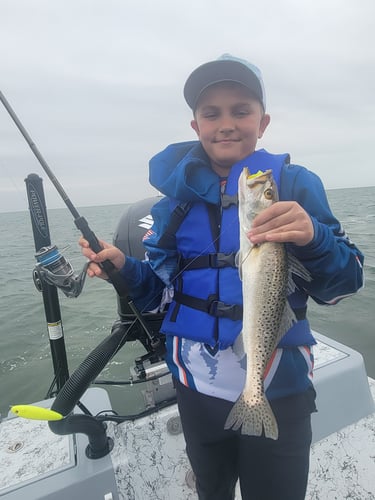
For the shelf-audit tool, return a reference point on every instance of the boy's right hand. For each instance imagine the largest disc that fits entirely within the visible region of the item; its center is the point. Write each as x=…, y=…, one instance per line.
x=109, y=252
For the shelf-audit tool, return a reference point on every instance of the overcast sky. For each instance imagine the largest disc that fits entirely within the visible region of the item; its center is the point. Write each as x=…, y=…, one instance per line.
x=98, y=86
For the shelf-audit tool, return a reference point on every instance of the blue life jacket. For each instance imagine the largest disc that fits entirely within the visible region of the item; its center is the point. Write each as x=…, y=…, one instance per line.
x=207, y=305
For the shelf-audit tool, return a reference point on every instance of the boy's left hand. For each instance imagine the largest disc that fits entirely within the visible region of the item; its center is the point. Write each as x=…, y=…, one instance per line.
x=282, y=222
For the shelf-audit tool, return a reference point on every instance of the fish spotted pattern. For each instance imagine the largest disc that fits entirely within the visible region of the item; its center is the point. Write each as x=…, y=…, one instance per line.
x=267, y=315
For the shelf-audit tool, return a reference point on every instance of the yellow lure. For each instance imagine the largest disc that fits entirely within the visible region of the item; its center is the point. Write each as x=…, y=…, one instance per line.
x=35, y=412
x=253, y=176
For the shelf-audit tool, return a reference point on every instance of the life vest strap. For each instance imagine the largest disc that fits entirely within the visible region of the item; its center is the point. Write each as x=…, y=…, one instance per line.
x=219, y=309
x=168, y=238
x=211, y=306
x=213, y=260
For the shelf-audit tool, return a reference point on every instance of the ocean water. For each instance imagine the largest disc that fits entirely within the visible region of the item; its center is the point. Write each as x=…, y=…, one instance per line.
x=25, y=362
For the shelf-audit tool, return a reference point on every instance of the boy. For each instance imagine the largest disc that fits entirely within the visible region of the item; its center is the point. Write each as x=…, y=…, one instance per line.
x=191, y=250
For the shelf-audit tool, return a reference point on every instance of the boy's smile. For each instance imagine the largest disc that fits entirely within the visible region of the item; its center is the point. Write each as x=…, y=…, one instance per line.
x=228, y=122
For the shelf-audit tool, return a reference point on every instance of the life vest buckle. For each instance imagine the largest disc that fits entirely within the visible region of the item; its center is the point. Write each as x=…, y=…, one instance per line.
x=220, y=309
x=227, y=200
x=220, y=260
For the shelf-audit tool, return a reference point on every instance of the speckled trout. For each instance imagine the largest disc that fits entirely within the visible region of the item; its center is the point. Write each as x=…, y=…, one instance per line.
x=267, y=316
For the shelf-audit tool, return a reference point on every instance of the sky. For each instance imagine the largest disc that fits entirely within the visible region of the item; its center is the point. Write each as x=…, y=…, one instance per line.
x=98, y=86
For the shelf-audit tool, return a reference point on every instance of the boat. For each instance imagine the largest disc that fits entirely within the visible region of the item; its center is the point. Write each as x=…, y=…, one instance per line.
x=93, y=453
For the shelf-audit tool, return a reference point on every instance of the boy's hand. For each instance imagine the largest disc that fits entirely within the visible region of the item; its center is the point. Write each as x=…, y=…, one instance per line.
x=109, y=252
x=283, y=222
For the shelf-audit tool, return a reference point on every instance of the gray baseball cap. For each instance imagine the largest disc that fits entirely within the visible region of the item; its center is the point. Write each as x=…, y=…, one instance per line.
x=226, y=68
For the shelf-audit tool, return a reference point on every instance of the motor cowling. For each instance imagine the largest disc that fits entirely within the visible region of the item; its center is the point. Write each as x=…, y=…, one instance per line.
x=136, y=220
x=134, y=223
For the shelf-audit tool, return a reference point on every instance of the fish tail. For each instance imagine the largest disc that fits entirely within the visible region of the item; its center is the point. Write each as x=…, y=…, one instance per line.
x=253, y=418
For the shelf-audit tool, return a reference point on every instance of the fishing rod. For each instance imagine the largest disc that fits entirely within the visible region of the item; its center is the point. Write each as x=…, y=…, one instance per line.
x=70, y=393
x=81, y=223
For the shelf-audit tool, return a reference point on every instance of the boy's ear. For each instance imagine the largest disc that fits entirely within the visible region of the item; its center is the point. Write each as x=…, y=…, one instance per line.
x=194, y=126
x=265, y=121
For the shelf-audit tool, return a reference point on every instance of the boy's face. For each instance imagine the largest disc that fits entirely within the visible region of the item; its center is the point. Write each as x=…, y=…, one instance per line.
x=228, y=122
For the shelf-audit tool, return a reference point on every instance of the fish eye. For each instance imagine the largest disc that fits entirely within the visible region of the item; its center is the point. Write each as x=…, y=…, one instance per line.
x=268, y=194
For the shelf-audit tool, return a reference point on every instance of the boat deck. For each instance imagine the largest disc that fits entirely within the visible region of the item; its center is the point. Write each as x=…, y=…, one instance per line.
x=149, y=461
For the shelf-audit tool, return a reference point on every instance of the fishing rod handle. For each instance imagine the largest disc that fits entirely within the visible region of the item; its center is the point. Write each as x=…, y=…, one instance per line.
x=115, y=277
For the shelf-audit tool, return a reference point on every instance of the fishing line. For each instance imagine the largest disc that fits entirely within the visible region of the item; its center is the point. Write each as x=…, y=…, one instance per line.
x=145, y=308
x=81, y=223
x=182, y=270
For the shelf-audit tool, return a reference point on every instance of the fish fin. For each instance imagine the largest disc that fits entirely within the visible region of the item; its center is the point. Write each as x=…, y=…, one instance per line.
x=297, y=268
x=253, y=419
x=238, y=346
x=288, y=319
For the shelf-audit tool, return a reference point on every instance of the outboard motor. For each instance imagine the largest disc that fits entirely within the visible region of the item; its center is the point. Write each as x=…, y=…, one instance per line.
x=134, y=223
